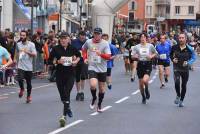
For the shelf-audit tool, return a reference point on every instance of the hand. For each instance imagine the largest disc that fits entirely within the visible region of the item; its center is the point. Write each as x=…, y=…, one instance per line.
x=86, y=61
x=3, y=67
x=149, y=57
x=98, y=52
x=175, y=60
x=185, y=63
x=74, y=63
x=136, y=56
x=61, y=61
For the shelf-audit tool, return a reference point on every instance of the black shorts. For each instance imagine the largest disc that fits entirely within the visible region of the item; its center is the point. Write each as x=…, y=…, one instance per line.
x=109, y=70
x=81, y=72
x=143, y=68
x=46, y=62
x=101, y=77
x=165, y=64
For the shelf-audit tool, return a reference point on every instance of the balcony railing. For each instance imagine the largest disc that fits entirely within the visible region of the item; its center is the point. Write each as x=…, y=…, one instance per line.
x=166, y=16
x=162, y=2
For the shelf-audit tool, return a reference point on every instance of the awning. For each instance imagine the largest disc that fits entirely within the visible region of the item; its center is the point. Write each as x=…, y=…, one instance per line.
x=192, y=22
x=70, y=19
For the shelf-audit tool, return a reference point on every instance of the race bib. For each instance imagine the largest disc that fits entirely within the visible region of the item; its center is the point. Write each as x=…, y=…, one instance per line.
x=94, y=58
x=163, y=56
x=144, y=51
x=21, y=55
x=67, y=61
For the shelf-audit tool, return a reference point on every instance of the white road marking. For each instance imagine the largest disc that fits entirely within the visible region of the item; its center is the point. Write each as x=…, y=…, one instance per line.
x=103, y=109
x=136, y=92
x=5, y=94
x=66, y=127
x=123, y=99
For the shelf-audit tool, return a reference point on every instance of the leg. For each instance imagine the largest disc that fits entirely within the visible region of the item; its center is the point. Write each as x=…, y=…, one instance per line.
x=102, y=88
x=185, y=77
x=146, y=82
x=161, y=70
x=177, y=86
x=20, y=78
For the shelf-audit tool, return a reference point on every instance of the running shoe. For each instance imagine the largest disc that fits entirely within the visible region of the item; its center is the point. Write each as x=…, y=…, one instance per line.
x=21, y=93
x=82, y=96
x=144, y=101
x=166, y=79
x=28, y=99
x=99, y=109
x=78, y=96
x=162, y=86
x=69, y=113
x=181, y=104
x=62, y=121
x=177, y=100
x=109, y=87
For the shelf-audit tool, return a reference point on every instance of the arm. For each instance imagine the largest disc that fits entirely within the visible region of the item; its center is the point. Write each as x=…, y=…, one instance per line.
x=193, y=56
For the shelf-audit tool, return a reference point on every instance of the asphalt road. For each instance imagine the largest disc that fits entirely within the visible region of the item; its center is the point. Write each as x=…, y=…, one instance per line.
x=124, y=113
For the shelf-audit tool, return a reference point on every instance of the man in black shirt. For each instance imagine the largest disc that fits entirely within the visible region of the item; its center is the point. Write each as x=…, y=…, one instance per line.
x=182, y=56
x=66, y=58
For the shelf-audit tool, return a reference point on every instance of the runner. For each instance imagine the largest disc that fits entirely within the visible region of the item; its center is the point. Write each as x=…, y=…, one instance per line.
x=81, y=68
x=144, y=52
x=182, y=56
x=66, y=57
x=96, y=52
x=163, y=50
x=25, y=51
x=110, y=63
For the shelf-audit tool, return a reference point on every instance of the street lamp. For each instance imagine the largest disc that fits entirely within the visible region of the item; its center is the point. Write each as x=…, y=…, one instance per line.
x=0, y=12
x=61, y=1
x=81, y=6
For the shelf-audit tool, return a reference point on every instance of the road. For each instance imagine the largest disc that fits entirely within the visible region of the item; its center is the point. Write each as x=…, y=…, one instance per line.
x=124, y=113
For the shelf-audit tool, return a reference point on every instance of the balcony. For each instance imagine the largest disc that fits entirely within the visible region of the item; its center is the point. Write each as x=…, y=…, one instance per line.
x=162, y=2
x=164, y=15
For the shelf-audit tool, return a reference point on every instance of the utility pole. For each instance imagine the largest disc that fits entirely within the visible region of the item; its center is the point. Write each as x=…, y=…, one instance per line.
x=81, y=7
x=32, y=7
x=60, y=18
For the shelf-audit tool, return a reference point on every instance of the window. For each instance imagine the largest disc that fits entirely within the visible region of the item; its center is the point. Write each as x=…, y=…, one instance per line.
x=177, y=9
x=149, y=10
x=131, y=16
x=132, y=5
x=168, y=9
x=191, y=10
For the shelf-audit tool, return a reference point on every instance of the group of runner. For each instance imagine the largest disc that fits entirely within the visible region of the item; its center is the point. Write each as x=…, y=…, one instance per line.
x=93, y=59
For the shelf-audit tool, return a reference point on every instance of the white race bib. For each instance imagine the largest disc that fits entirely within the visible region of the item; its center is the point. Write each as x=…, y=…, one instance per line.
x=163, y=56
x=94, y=58
x=144, y=51
x=21, y=55
x=67, y=61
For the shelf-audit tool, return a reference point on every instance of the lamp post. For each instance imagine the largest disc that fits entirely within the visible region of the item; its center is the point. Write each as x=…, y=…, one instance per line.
x=0, y=15
x=32, y=5
x=60, y=18
x=81, y=7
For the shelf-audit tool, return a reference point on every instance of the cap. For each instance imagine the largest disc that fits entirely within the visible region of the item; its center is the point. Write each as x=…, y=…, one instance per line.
x=98, y=30
x=64, y=34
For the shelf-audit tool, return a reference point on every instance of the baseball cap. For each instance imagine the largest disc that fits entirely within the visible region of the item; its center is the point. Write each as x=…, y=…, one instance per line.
x=64, y=34
x=98, y=30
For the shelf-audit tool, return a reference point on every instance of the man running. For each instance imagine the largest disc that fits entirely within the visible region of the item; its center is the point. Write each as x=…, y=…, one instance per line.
x=96, y=52
x=110, y=63
x=25, y=52
x=182, y=56
x=163, y=50
x=81, y=68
